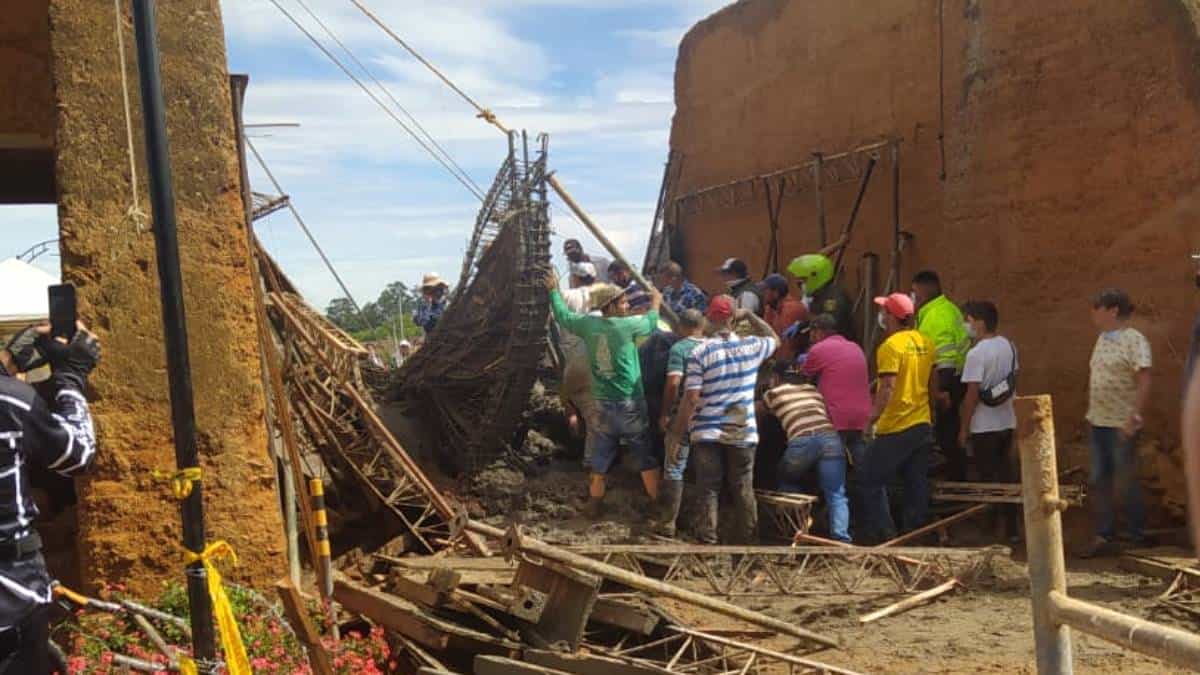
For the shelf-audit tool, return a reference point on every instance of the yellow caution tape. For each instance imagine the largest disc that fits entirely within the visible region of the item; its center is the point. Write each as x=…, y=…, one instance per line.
x=187, y=666
x=181, y=481
x=231, y=638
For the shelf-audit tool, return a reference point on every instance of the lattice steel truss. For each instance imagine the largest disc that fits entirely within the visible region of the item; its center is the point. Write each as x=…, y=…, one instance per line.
x=798, y=570
x=470, y=382
x=1183, y=594
x=844, y=167
x=694, y=652
x=325, y=394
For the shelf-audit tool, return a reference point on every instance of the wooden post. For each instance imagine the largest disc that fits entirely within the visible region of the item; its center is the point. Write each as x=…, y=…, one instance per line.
x=306, y=632
x=1043, y=531
x=592, y=227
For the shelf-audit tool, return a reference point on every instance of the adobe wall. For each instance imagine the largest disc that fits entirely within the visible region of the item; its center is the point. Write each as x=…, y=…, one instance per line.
x=1070, y=138
x=129, y=525
x=25, y=71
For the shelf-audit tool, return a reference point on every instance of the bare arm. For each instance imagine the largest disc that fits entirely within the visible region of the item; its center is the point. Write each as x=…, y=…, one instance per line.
x=1191, y=452
x=687, y=408
x=935, y=392
x=970, y=402
x=883, y=394
x=1143, y=395
x=842, y=241
x=670, y=393
x=761, y=327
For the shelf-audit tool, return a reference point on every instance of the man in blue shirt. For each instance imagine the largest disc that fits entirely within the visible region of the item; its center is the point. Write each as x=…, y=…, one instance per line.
x=432, y=303
x=620, y=276
x=678, y=293
x=718, y=408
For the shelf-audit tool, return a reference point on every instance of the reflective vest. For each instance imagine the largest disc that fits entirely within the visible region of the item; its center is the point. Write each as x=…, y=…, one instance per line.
x=942, y=322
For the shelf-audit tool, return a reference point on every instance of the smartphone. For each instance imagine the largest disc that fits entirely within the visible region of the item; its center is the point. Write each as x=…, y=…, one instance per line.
x=62, y=310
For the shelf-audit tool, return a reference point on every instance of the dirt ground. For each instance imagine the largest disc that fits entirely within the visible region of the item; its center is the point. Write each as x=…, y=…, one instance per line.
x=987, y=628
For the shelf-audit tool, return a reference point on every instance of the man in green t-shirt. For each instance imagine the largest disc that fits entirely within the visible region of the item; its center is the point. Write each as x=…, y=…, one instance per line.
x=616, y=382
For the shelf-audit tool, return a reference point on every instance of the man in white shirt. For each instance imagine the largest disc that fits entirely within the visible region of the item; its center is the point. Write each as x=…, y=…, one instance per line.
x=988, y=418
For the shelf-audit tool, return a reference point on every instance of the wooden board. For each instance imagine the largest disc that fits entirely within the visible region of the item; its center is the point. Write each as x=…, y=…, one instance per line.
x=498, y=665
x=570, y=596
x=306, y=632
x=588, y=664
x=388, y=611
x=630, y=616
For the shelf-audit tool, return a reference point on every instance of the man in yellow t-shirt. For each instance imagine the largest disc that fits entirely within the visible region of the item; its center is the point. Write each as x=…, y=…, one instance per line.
x=902, y=420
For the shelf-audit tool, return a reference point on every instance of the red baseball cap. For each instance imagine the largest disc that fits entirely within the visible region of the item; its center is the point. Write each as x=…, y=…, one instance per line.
x=898, y=305
x=720, y=308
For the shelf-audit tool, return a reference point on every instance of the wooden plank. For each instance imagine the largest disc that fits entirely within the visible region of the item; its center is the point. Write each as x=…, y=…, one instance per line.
x=388, y=611
x=570, y=596
x=498, y=665
x=590, y=664
x=456, y=563
x=415, y=590
x=629, y=616
x=1160, y=568
x=306, y=632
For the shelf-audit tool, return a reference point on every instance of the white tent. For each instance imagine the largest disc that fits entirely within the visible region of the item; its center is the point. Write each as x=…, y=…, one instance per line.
x=22, y=294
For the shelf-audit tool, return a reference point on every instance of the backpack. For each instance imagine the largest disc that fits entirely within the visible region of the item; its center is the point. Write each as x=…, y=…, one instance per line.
x=999, y=393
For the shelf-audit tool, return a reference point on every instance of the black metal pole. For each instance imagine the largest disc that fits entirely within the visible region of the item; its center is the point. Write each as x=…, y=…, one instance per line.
x=179, y=373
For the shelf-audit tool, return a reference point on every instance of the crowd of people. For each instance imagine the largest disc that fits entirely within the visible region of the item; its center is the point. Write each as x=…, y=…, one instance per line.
x=782, y=352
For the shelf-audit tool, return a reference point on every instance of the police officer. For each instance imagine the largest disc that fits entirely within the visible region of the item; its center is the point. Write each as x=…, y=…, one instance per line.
x=942, y=321
x=814, y=272
x=55, y=435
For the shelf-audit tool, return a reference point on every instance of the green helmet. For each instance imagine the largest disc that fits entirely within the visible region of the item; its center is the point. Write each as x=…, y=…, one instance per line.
x=814, y=269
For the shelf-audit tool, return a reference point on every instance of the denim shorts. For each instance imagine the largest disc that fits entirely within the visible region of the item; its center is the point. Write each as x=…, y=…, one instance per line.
x=621, y=422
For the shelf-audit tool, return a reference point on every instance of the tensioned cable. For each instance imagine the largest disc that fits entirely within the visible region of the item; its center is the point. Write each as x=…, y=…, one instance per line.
x=312, y=38
x=484, y=113
x=308, y=233
x=387, y=92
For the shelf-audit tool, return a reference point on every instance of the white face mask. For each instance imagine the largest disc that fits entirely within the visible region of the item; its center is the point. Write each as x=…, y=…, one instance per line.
x=882, y=321
x=971, y=332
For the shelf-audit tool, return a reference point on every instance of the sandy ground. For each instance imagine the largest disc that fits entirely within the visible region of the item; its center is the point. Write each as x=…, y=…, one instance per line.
x=987, y=628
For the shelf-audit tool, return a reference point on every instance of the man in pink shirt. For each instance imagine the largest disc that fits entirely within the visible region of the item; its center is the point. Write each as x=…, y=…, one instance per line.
x=840, y=370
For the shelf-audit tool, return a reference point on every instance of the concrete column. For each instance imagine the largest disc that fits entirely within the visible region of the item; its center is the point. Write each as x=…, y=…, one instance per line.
x=129, y=525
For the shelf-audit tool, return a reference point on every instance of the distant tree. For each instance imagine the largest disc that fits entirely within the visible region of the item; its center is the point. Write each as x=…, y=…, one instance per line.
x=342, y=313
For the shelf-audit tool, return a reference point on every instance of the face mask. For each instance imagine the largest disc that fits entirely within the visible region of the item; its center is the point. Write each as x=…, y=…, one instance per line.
x=971, y=332
x=882, y=321
x=912, y=296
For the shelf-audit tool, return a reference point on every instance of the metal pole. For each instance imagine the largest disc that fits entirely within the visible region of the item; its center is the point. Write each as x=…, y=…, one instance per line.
x=514, y=541
x=1165, y=642
x=179, y=373
x=1043, y=531
x=849, y=229
x=604, y=241
x=894, y=273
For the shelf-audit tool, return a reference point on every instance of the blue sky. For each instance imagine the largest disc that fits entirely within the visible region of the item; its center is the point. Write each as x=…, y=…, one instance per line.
x=595, y=74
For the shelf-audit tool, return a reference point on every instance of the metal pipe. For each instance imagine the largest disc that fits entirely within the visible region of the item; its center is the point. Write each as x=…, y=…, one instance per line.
x=592, y=227
x=849, y=229
x=179, y=373
x=514, y=541
x=894, y=273
x=1043, y=532
x=1170, y=644
x=818, y=167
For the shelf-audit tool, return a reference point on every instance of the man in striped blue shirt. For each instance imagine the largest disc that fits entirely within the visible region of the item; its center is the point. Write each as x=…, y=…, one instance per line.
x=719, y=404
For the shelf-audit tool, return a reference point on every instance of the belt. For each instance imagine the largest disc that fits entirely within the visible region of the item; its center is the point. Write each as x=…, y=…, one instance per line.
x=17, y=549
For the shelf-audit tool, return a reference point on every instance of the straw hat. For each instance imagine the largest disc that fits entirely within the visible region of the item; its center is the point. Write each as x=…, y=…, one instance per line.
x=603, y=295
x=432, y=280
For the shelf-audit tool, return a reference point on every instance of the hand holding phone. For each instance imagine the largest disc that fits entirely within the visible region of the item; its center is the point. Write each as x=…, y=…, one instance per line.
x=63, y=313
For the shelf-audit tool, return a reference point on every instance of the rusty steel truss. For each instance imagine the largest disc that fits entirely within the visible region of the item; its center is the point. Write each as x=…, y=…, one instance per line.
x=470, y=382
x=797, y=570
x=693, y=652
x=324, y=392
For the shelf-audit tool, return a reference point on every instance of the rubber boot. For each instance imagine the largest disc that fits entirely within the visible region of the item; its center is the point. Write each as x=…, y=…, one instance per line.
x=594, y=508
x=670, y=497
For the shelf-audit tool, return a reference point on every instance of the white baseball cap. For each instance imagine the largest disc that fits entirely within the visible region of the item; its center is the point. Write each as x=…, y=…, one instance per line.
x=583, y=269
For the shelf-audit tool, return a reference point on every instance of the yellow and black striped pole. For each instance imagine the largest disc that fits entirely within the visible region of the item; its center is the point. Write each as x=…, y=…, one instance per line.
x=316, y=488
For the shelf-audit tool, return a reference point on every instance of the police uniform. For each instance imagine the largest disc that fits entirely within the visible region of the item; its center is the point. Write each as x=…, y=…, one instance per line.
x=59, y=437
x=831, y=299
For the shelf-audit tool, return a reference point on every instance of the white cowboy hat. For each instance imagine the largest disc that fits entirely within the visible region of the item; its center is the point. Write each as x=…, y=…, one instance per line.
x=432, y=280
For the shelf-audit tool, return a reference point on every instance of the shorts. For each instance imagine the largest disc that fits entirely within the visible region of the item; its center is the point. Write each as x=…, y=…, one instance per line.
x=621, y=422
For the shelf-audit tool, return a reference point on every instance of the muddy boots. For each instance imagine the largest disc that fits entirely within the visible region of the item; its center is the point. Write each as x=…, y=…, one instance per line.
x=594, y=507
x=670, y=496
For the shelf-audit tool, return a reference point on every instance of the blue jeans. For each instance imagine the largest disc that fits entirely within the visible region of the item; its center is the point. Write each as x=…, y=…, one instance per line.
x=904, y=454
x=674, y=470
x=824, y=449
x=1114, y=473
x=620, y=422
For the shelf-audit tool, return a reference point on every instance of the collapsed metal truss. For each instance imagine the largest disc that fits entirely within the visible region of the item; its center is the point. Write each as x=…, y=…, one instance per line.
x=324, y=390
x=798, y=570
x=265, y=205
x=470, y=382
x=997, y=493
x=844, y=167
x=693, y=652
x=1183, y=594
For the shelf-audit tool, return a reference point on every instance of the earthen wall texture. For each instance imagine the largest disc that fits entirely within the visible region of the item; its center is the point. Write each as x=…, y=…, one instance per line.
x=129, y=524
x=25, y=71
x=1070, y=136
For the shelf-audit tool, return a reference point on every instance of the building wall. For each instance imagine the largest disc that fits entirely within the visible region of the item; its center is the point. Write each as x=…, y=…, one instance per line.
x=129, y=523
x=1070, y=130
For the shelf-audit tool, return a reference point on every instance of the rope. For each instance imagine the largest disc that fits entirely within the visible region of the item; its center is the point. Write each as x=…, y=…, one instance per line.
x=484, y=113
x=181, y=480
x=308, y=233
x=134, y=212
x=387, y=92
x=328, y=54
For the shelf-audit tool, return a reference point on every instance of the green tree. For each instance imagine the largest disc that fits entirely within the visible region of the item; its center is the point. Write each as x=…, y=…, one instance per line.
x=342, y=313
